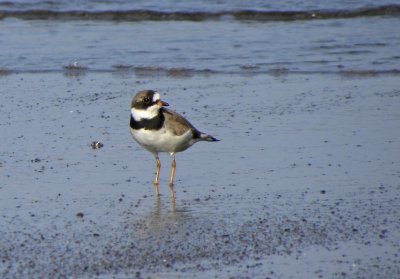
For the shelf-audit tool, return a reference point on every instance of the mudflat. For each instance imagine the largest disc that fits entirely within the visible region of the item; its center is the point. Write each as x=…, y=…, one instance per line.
x=304, y=183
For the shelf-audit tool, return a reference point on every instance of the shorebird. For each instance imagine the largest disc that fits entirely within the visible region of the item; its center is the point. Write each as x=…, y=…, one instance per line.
x=158, y=129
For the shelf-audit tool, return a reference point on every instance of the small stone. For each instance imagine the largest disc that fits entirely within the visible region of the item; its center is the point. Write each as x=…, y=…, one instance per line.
x=96, y=144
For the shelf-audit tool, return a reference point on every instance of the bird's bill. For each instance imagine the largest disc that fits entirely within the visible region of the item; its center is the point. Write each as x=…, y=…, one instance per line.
x=162, y=103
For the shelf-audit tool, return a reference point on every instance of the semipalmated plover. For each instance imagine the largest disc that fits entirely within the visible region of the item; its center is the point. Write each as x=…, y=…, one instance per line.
x=158, y=129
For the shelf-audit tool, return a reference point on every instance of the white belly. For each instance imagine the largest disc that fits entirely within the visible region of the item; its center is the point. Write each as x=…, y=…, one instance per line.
x=162, y=141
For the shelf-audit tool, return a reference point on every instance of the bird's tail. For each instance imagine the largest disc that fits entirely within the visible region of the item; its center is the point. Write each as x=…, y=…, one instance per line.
x=207, y=137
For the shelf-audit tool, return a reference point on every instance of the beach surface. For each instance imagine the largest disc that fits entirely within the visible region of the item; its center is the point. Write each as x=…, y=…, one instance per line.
x=304, y=183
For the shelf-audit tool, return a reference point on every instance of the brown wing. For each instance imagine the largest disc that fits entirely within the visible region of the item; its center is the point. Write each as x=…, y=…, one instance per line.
x=177, y=123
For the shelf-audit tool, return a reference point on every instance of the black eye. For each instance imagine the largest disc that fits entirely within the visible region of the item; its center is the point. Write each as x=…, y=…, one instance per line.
x=146, y=100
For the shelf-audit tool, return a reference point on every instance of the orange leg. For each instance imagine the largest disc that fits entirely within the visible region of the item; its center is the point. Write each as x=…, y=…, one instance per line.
x=158, y=167
x=171, y=178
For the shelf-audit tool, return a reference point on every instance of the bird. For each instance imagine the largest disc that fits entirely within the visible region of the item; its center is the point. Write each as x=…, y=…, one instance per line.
x=158, y=129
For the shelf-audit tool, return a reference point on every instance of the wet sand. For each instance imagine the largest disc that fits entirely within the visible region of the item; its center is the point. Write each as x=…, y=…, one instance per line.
x=304, y=183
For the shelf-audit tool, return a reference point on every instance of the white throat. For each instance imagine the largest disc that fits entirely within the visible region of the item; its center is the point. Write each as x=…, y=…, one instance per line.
x=149, y=113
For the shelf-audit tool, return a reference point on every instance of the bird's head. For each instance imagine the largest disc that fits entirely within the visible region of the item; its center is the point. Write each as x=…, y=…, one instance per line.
x=146, y=104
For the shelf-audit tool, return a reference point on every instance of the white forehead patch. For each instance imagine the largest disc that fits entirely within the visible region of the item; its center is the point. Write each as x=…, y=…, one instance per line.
x=156, y=97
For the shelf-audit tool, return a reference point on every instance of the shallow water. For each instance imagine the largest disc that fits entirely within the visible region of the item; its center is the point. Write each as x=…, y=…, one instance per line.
x=304, y=183
x=359, y=46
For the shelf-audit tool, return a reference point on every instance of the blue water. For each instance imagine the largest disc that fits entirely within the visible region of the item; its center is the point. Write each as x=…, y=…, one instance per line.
x=191, y=5
x=60, y=42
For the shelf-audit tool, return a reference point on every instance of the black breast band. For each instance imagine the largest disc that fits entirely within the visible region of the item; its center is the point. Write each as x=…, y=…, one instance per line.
x=154, y=123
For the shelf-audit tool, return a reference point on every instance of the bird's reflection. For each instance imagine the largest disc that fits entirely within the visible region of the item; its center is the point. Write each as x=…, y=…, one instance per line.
x=159, y=206
x=165, y=214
